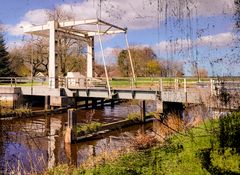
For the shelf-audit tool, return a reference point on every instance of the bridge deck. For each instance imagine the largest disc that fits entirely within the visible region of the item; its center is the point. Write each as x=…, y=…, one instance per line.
x=165, y=89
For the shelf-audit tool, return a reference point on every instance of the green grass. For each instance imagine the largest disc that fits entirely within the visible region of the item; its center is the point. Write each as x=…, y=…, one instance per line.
x=193, y=152
x=149, y=81
x=88, y=128
x=181, y=154
x=177, y=156
x=19, y=112
x=135, y=116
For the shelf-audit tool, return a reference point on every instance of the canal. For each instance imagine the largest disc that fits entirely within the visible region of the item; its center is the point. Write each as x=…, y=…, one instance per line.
x=37, y=143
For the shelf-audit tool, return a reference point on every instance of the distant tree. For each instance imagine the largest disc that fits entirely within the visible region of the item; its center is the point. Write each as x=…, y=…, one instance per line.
x=153, y=68
x=5, y=69
x=18, y=64
x=202, y=73
x=172, y=68
x=124, y=63
x=99, y=70
x=113, y=71
x=142, y=59
x=76, y=63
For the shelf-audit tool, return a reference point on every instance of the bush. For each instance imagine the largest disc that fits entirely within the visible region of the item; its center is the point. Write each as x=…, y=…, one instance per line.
x=229, y=131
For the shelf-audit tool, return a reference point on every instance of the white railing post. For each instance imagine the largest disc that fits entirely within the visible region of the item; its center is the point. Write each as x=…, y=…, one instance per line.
x=176, y=84
x=211, y=86
x=185, y=89
x=185, y=85
x=161, y=85
x=11, y=81
x=132, y=83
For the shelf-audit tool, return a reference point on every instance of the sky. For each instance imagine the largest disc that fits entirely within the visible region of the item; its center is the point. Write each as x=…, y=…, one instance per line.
x=187, y=31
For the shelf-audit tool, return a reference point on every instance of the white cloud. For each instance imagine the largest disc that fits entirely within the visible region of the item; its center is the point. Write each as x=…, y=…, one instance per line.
x=36, y=17
x=15, y=44
x=32, y=17
x=135, y=14
x=18, y=28
x=212, y=41
x=217, y=41
x=110, y=55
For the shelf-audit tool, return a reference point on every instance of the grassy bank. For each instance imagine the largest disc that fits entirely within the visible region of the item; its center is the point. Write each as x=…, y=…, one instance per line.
x=205, y=149
x=19, y=112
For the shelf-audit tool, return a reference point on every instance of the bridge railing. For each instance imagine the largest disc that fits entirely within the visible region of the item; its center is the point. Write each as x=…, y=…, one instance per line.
x=23, y=81
x=145, y=83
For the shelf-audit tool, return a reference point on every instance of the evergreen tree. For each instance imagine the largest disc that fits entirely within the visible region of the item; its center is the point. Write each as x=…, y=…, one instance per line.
x=4, y=59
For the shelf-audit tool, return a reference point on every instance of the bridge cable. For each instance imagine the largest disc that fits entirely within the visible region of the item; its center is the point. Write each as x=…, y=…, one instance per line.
x=130, y=56
x=103, y=59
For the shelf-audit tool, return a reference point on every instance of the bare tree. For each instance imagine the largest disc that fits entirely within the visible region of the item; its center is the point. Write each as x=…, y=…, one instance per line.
x=36, y=55
x=68, y=50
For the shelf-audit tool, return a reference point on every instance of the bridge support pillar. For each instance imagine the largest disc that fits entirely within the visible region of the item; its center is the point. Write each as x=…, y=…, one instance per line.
x=94, y=103
x=112, y=103
x=102, y=103
x=70, y=134
x=90, y=58
x=143, y=110
x=46, y=102
x=159, y=106
x=76, y=102
x=71, y=153
x=86, y=103
x=52, y=72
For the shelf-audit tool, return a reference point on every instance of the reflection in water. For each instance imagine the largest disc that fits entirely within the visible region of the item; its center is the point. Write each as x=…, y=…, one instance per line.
x=55, y=126
x=33, y=144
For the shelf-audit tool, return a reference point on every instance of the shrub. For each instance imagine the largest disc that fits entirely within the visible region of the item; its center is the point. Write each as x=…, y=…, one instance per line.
x=229, y=131
x=143, y=141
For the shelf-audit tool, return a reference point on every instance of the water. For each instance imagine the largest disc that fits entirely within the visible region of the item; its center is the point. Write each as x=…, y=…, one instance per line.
x=37, y=143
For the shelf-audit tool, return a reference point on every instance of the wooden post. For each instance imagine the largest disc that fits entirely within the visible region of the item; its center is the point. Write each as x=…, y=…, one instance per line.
x=70, y=134
x=143, y=111
x=159, y=106
x=71, y=153
x=92, y=150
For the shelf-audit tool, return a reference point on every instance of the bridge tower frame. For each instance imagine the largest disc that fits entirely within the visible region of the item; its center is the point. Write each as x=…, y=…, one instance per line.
x=83, y=30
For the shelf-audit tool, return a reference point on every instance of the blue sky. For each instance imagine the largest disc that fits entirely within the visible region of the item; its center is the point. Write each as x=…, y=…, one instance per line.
x=205, y=35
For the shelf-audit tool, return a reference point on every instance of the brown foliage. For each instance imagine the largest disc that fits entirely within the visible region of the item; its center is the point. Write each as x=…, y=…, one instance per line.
x=143, y=141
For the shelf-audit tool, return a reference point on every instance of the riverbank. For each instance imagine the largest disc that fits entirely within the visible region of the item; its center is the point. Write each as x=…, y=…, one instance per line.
x=195, y=151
